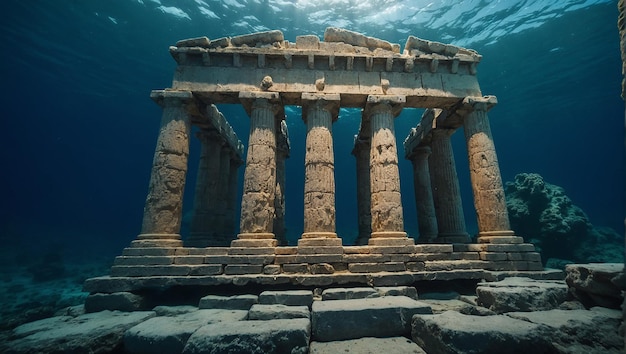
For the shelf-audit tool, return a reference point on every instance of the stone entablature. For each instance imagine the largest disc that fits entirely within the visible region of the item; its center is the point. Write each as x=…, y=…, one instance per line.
x=428, y=74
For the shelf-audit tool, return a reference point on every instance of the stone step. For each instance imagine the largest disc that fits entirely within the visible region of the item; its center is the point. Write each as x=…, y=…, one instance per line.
x=349, y=293
x=287, y=297
x=368, y=345
x=521, y=294
x=388, y=316
x=272, y=336
x=235, y=302
x=277, y=311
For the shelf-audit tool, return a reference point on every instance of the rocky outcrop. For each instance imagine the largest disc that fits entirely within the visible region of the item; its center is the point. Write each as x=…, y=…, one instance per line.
x=548, y=218
x=367, y=345
x=597, y=284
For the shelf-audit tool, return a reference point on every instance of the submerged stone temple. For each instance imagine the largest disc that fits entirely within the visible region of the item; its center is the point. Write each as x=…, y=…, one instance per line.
x=264, y=73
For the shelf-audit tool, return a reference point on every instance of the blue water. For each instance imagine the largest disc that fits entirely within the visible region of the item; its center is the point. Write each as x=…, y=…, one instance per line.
x=78, y=127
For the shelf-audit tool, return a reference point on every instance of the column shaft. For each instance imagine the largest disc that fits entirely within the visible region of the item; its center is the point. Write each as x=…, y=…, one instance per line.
x=163, y=209
x=426, y=217
x=489, y=199
x=257, y=205
x=446, y=190
x=319, y=180
x=386, y=203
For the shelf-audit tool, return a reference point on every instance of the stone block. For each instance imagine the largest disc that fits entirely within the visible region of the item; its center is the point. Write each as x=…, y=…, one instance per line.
x=286, y=250
x=452, y=332
x=321, y=268
x=253, y=337
x=272, y=269
x=493, y=256
x=320, y=250
x=512, y=256
x=521, y=294
x=287, y=297
x=368, y=345
x=102, y=331
x=453, y=265
x=147, y=243
x=366, y=258
x=320, y=242
x=169, y=334
x=235, y=302
x=189, y=260
x=121, y=301
x=408, y=291
x=468, y=256
x=245, y=243
x=194, y=42
x=391, y=241
x=349, y=293
x=415, y=266
x=206, y=269
x=296, y=268
x=433, y=248
x=388, y=316
x=392, y=249
x=308, y=42
x=520, y=247
x=356, y=250
x=208, y=251
x=376, y=267
x=531, y=257
x=149, y=251
x=501, y=239
x=251, y=250
x=143, y=260
x=277, y=311
x=147, y=271
x=237, y=269
x=340, y=266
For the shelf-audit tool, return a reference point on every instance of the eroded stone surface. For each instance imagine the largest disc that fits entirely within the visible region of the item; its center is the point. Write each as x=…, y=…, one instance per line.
x=394, y=345
x=385, y=317
x=274, y=312
x=258, y=337
x=521, y=294
x=235, y=302
x=452, y=332
x=596, y=284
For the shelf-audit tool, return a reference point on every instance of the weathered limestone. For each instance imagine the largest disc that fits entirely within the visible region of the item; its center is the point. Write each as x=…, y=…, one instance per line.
x=367, y=345
x=163, y=209
x=282, y=153
x=521, y=294
x=386, y=203
x=446, y=190
x=388, y=316
x=319, y=111
x=257, y=205
x=236, y=302
x=489, y=199
x=426, y=217
x=596, y=284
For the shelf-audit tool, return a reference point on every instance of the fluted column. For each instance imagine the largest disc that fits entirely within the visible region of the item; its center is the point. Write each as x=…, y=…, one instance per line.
x=204, y=218
x=386, y=202
x=163, y=209
x=489, y=199
x=319, y=111
x=259, y=187
x=426, y=217
x=282, y=153
x=446, y=190
x=361, y=152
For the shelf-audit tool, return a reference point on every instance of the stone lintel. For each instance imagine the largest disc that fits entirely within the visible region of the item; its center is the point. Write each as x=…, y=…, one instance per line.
x=329, y=102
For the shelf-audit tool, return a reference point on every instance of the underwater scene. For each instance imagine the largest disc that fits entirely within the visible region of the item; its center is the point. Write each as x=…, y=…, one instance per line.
x=80, y=130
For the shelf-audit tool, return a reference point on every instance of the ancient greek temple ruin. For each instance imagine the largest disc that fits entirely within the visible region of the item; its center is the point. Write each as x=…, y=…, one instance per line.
x=264, y=73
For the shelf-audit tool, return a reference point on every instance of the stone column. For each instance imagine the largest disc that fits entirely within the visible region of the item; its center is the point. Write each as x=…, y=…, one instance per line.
x=163, y=209
x=386, y=203
x=282, y=153
x=203, y=222
x=426, y=217
x=259, y=186
x=363, y=196
x=446, y=190
x=319, y=111
x=224, y=235
x=489, y=199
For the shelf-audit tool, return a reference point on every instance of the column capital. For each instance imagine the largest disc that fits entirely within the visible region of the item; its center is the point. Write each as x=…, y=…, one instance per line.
x=484, y=103
x=175, y=98
x=325, y=101
x=375, y=103
x=255, y=99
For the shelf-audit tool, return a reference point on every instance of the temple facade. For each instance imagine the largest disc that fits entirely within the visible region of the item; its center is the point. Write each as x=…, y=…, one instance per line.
x=264, y=73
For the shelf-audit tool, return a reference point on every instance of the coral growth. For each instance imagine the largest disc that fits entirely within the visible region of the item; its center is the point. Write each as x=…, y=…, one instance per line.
x=546, y=216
